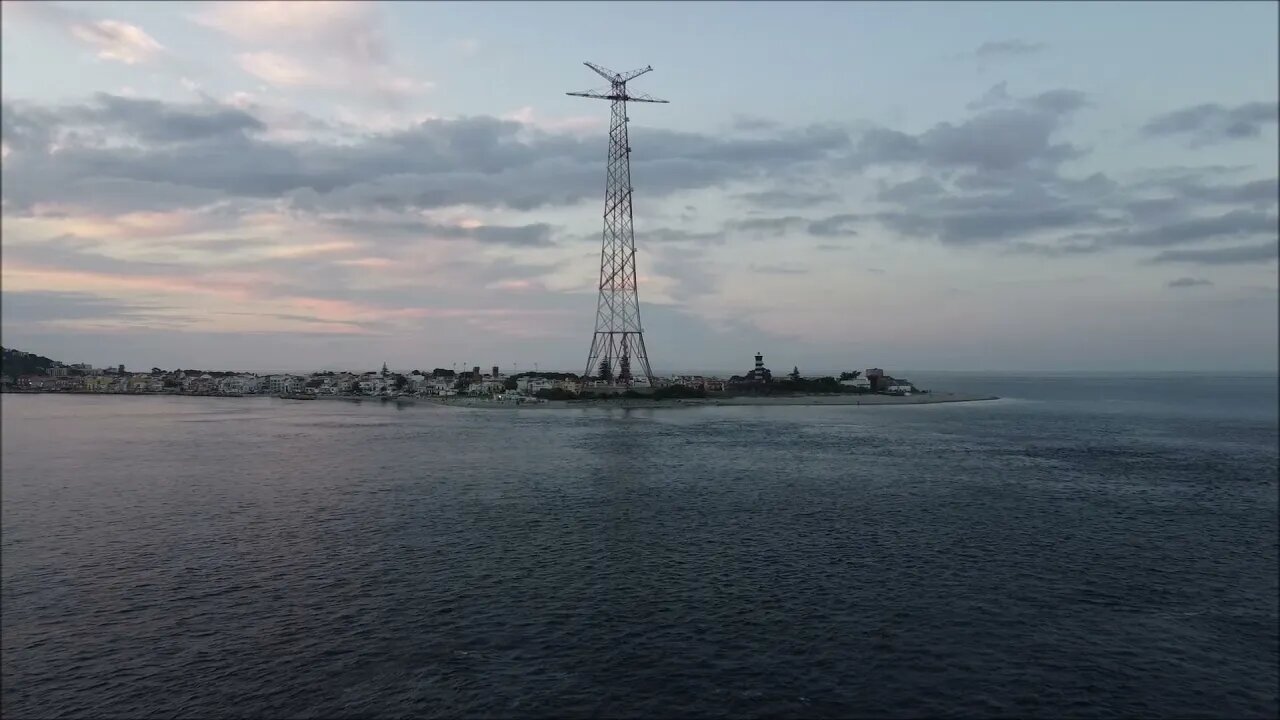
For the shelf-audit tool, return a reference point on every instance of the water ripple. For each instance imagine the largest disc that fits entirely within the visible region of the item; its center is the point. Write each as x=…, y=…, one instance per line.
x=1014, y=561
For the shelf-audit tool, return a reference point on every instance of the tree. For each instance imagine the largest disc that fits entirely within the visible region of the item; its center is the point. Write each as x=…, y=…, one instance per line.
x=795, y=374
x=851, y=375
x=509, y=383
x=398, y=381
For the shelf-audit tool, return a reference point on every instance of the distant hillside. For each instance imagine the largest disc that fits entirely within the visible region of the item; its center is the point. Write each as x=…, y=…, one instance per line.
x=15, y=363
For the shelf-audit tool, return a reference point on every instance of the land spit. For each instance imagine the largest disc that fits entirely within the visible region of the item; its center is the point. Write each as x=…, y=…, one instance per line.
x=931, y=398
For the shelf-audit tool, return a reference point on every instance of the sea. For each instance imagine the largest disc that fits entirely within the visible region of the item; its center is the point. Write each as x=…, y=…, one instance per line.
x=1086, y=546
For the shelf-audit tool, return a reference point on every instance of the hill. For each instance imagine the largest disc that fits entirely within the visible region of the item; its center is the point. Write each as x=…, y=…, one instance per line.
x=16, y=362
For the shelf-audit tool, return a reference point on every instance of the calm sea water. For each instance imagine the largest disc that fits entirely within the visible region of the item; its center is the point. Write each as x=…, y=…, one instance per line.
x=1094, y=547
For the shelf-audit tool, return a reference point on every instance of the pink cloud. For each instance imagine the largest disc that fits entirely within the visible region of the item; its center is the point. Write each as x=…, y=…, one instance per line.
x=278, y=69
x=118, y=41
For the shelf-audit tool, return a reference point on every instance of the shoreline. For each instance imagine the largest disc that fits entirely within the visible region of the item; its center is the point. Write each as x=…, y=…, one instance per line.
x=850, y=400
x=933, y=398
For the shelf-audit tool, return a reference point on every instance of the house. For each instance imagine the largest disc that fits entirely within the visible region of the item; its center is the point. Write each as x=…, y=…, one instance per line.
x=858, y=383
x=897, y=386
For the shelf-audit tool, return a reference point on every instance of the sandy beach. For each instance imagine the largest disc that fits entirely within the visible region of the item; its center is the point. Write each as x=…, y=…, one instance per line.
x=932, y=398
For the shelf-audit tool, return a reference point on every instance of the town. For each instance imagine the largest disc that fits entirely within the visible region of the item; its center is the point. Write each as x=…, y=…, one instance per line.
x=26, y=372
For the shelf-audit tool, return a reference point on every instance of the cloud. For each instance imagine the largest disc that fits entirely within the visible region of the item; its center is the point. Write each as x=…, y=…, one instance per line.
x=349, y=29
x=782, y=199
x=834, y=226
x=999, y=139
x=335, y=46
x=998, y=178
x=75, y=311
x=1234, y=224
x=778, y=270
x=690, y=272
x=911, y=190
x=480, y=161
x=749, y=123
x=1233, y=255
x=671, y=235
x=118, y=41
x=1185, y=282
x=113, y=39
x=1211, y=123
x=1007, y=48
x=767, y=226
x=278, y=69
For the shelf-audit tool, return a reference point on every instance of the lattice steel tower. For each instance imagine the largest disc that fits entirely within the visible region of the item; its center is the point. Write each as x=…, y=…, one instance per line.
x=618, y=343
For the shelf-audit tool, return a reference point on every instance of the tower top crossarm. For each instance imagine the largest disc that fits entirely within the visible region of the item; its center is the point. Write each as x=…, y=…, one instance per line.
x=617, y=85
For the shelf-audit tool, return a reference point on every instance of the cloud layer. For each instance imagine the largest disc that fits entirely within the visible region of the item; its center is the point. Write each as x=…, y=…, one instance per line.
x=318, y=194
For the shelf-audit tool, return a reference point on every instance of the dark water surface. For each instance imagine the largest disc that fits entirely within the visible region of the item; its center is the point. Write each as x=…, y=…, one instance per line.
x=1100, y=547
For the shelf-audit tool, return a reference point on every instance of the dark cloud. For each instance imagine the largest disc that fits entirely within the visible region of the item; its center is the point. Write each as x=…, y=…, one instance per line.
x=747, y=123
x=1185, y=282
x=1234, y=255
x=535, y=235
x=670, y=235
x=1191, y=188
x=833, y=226
x=148, y=121
x=911, y=190
x=769, y=226
x=1234, y=224
x=999, y=139
x=782, y=199
x=1213, y=123
x=968, y=219
x=1073, y=245
x=478, y=160
x=1007, y=48
x=40, y=306
x=997, y=178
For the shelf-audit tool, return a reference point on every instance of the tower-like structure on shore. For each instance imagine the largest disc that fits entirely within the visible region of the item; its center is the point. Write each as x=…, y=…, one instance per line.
x=617, y=347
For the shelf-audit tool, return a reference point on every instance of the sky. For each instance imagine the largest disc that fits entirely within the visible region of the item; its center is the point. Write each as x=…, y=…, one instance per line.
x=284, y=186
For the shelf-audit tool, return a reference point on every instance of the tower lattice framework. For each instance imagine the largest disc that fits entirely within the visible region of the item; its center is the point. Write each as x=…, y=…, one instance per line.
x=617, y=346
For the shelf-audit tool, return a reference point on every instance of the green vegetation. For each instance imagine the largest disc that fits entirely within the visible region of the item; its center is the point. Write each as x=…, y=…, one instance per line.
x=16, y=362
x=675, y=392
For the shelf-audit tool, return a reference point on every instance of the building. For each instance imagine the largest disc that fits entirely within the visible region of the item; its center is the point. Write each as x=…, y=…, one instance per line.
x=874, y=376
x=858, y=383
x=760, y=373
x=896, y=387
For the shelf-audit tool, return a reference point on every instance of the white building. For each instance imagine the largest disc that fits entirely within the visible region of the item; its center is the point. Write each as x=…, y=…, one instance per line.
x=858, y=382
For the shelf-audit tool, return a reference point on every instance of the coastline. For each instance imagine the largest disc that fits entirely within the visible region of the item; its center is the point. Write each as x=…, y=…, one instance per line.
x=932, y=398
